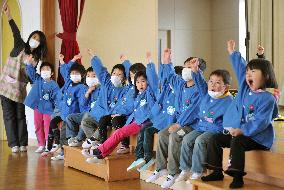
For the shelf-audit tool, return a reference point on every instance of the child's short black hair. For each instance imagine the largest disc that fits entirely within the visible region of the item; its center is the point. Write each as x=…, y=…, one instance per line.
x=178, y=70
x=44, y=64
x=267, y=71
x=188, y=59
x=227, y=79
x=202, y=63
x=119, y=67
x=137, y=75
x=90, y=69
x=78, y=67
x=135, y=68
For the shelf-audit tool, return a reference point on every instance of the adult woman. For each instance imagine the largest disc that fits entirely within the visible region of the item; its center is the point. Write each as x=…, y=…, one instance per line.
x=13, y=81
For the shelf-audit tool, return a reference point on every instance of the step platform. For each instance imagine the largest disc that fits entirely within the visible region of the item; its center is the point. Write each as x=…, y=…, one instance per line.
x=113, y=168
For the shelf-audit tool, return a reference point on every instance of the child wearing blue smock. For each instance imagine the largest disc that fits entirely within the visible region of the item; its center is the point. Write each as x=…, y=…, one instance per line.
x=170, y=138
x=143, y=100
x=113, y=88
x=248, y=119
x=215, y=100
x=74, y=133
x=41, y=99
x=72, y=98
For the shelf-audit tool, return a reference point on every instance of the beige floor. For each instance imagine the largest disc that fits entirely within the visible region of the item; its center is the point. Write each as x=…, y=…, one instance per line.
x=29, y=171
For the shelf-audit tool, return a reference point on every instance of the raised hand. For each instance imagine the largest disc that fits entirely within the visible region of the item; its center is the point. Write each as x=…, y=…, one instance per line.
x=6, y=10
x=29, y=59
x=61, y=59
x=122, y=58
x=148, y=57
x=76, y=57
x=90, y=52
x=167, y=56
x=260, y=50
x=231, y=44
x=194, y=64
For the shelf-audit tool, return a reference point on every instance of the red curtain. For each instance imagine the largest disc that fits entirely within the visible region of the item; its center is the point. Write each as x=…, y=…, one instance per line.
x=70, y=22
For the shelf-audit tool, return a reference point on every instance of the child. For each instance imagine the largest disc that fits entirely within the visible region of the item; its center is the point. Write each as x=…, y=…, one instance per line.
x=215, y=100
x=112, y=89
x=142, y=103
x=170, y=138
x=74, y=133
x=247, y=120
x=42, y=99
x=73, y=92
x=123, y=109
x=162, y=115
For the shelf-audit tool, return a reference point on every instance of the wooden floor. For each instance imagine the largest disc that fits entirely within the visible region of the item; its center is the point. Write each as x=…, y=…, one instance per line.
x=30, y=171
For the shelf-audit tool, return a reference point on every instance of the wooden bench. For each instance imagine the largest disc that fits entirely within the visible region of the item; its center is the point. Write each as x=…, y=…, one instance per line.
x=265, y=170
x=113, y=168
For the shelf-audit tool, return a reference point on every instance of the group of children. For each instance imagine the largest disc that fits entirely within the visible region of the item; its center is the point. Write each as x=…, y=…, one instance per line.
x=194, y=118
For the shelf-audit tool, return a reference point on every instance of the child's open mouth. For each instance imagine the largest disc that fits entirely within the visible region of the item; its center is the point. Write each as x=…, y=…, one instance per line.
x=250, y=82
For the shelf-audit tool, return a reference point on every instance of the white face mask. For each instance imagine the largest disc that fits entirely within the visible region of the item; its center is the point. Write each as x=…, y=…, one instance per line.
x=33, y=43
x=45, y=74
x=215, y=95
x=92, y=81
x=75, y=78
x=132, y=81
x=186, y=74
x=116, y=81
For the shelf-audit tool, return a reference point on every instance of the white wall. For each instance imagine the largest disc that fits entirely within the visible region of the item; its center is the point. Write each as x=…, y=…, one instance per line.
x=200, y=28
x=30, y=14
x=189, y=22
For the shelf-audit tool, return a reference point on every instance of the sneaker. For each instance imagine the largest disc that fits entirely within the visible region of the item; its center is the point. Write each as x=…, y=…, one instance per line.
x=89, y=143
x=55, y=147
x=58, y=157
x=147, y=165
x=95, y=145
x=156, y=175
x=183, y=176
x=75, y=143
x=123, y=150
x=95, y=160
x=71, y=139
x=15, y=149
x=196, y=176
x=40, y=149
x=136, y=164
x=23, y=148
x=87, y=153
x=169, y=182
x=45, y=153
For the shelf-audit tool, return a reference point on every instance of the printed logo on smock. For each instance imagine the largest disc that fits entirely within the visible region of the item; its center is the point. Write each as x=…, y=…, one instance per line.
x=186, y=104
x=210, y=117
x=69, y=101
x=250, y=116
x=171, y=110
x=142, y=102
x=46, y=97
x=93, y=104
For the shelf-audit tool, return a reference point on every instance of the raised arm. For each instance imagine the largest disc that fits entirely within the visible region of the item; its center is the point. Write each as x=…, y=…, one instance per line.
x=198, y=79
x=126, y=63
x=237, y=61
x=101, y=72
x=151, y=73
x=19, y=44
x=31, y=70
x=65, y=68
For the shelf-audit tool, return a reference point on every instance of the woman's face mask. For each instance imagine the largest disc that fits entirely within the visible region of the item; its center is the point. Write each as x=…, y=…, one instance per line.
x=186, y=74
x=33, y=43
x=215, y=95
